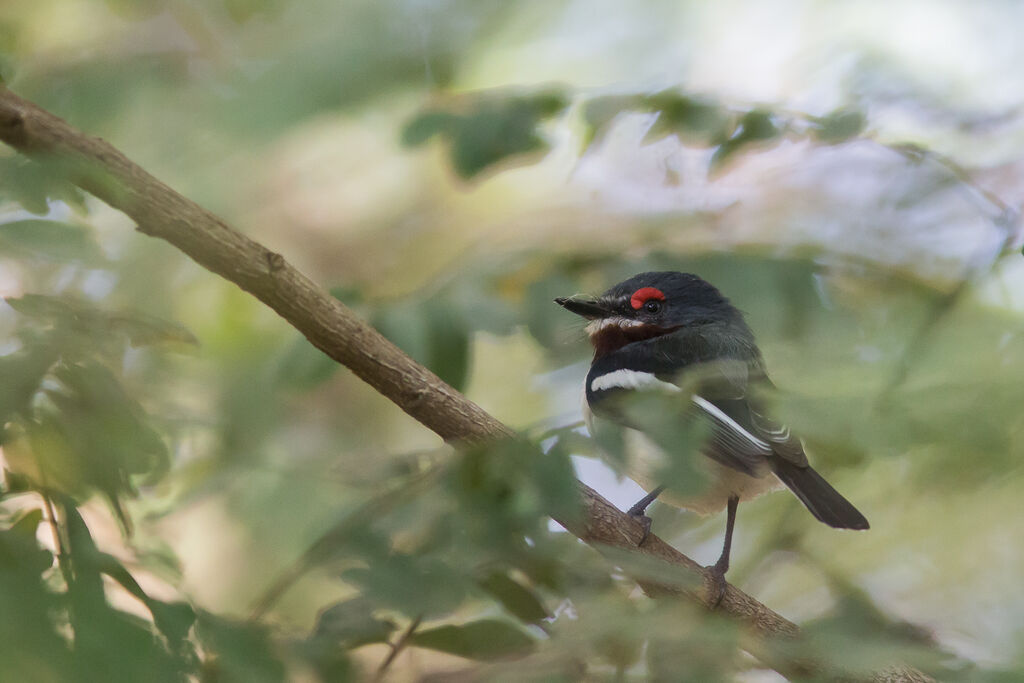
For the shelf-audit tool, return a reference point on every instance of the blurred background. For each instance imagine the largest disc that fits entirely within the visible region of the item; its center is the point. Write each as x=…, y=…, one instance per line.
x=847, y=173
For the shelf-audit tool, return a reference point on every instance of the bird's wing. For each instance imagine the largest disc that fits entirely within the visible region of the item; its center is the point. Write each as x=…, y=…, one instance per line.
x=727, y=392
x=740, y=437
x=743, y=436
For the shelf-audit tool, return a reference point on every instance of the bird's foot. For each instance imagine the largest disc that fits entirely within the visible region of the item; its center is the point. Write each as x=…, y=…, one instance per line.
x=645, y=523
x=718, y=584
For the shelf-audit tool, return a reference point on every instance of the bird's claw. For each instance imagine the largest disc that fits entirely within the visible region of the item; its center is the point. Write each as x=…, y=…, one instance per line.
x=716, y=591
x=645, y=523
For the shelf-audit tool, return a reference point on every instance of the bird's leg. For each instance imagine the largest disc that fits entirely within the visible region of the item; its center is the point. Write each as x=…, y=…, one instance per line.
x=639, y=509
x=719, y=568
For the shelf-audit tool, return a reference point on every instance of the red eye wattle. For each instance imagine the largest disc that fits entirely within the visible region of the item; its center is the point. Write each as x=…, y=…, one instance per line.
x=643, y=295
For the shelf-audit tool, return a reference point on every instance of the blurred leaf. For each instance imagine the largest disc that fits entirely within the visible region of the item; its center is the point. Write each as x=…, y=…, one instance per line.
x=51, y=240
x=19, y=549
x=410, y=584
x=694, y=120
x=81, y=316
x=302, y=366
x=491, y=128
x=432, y=333
x=516, y=598
x=142, y=329
x=246, y=10
x=28, y=523
x=22, y=374
x=544, y=319
x=173, y=619
x=350, y=624
x=239, y=652
x=31, y=183
x=96, y=440
x=427, y=125
x=755, y=127
x=485, y=639
x=839, y=126
x=102, y=413
x=599, y=112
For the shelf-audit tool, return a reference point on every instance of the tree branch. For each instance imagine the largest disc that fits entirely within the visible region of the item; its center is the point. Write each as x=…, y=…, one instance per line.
x=99, y=168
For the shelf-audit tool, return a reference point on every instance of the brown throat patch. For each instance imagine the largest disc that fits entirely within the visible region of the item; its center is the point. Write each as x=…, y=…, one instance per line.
x=613, y=337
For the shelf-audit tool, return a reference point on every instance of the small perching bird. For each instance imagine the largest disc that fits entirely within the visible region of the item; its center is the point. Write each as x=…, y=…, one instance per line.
x=673, y=334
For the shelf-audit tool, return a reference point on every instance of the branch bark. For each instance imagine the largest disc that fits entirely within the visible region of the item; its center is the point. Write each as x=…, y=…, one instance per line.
x=102, y=170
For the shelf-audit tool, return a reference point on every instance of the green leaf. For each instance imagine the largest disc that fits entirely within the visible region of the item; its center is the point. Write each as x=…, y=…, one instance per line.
x=240, y=652
x=599, y=112
x=19, y=549
x=174, y=620
x=51, y=240
x=142, y=329
x=302, y=366
x=28, y=523
x=754, y=128
x=432, y=333
x=33, y=183
x=694, y=120
x=839, y=126
x=82, y=317
x=485, y=639
x=22, y=374
x=411, y=584
x=516, y=598
x=427, y=125
x=350, y=624
x=488, y=129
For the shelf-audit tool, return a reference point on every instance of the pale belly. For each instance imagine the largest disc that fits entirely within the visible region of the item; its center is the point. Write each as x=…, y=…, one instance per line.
x=644, y=460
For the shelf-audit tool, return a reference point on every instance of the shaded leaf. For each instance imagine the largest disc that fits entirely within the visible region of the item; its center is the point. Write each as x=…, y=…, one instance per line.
x=484, y=639
x=350, y=624
x=302, y=366
x=599, y=112
x=694, y=120
x=432, y=333
x=516, y=598
x=22, y=374
x=48, y=239
x=488, y=129
x=411, y=584
x=33, y=183
x=19, y=549
x=838, y=126
x=239, y=651
x=755, y=127
x=174, y=620
x=427, y=125
x=78, y=315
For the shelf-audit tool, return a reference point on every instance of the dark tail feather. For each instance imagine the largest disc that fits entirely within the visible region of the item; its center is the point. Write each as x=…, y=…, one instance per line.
x=824, y=502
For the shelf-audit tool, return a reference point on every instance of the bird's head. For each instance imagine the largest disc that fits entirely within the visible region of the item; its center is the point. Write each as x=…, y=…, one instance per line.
x=650, y=305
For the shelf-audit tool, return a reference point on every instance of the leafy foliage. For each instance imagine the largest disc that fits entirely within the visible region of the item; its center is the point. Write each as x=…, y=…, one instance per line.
x=487, y=129
x=226, y=463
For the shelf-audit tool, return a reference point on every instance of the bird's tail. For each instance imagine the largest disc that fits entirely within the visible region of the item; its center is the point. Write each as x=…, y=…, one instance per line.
x=824, y=502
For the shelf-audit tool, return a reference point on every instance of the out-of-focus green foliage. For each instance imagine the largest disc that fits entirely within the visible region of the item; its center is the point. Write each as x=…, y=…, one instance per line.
x=175, y=455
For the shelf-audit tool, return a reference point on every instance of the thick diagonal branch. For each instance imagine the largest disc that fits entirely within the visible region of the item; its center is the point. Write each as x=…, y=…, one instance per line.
x=102, y=170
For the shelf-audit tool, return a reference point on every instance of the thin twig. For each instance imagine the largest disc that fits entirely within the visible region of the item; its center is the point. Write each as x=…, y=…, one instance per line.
x=60, y=548
x=397, y=647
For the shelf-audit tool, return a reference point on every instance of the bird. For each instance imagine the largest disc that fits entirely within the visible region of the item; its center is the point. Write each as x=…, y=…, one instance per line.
x=675, y=335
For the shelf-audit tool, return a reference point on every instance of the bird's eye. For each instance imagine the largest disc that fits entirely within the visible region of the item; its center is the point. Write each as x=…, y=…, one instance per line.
x=652, y=306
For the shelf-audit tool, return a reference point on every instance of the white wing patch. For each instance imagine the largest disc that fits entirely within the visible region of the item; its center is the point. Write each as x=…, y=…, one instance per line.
x=631, y=379
x=719, y=416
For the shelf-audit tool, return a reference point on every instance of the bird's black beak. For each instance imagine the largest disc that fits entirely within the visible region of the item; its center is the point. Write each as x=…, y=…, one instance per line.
x=588, y=308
